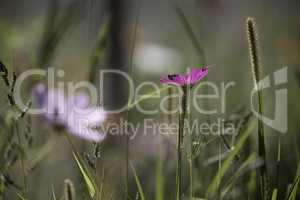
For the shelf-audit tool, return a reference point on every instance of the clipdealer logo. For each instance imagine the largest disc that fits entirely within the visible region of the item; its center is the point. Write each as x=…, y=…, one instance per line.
x=279, y=122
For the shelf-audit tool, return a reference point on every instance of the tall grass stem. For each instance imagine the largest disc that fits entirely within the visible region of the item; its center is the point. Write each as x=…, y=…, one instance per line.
x=256, y=70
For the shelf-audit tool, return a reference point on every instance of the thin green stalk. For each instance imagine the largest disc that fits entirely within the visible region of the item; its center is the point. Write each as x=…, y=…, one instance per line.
x=138, y=183
x=278, y=167
x=170, y=105
x=190, y=156
x=255, y=65
x=219, y=169
x=22, y=161
x=196, y=43
x=128, y=110
x=101, y=185
x=180, y=145
x=190, y=162
x=86, y=174
x=127, y=166
x=244, y=135
x=99, y=51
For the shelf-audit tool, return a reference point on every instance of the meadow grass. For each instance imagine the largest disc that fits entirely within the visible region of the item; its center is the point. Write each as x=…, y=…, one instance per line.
x=256, y=70
x=235, y=173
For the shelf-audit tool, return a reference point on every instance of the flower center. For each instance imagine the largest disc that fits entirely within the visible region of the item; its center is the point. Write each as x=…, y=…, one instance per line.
x=172, y=76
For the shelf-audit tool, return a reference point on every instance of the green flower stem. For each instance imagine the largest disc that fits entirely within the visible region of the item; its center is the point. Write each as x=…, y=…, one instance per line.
x=180, y=146
x=190, y=154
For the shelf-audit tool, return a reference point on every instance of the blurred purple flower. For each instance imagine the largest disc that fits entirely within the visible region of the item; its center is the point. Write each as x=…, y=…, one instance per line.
x=73, y=114
x=191, y=78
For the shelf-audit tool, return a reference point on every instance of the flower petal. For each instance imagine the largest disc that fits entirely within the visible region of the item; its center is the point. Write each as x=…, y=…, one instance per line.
x=56, y=107
x=80, y=100
x=78, y=109
x=73, y=114
x=52, y=101
x=178, y=80
x=39, y=95
x=86, y=133
x=196, y=75
x=166, y=80
x=97, y=116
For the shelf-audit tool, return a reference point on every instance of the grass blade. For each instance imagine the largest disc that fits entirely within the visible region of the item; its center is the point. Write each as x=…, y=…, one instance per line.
x=293, y=191
x=130, y=70
x=101, y=185
x=138, y=183
x=39, y=155
x=21, y=197
x=274, y=194
x=90, y=183
x=146, y=96
x=56, y=29
x=53, y=193
x=99, y=50
x=275, y=190
x=191, y=34
x=232, y=181
x=87, y=175
x=212, y=188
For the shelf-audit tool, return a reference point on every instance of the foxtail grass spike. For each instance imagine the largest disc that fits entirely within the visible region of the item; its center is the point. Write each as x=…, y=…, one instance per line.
x=253, y=49
x=69, y=190
x=256, y=69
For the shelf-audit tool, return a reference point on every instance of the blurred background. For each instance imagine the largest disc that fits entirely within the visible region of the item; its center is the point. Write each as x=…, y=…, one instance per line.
x=148, y=39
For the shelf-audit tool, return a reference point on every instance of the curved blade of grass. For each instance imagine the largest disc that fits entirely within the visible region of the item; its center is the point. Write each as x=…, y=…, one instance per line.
x=190, y=33
x=90, y=183
x=146, y=96
x=38, y=155
x=87, y=175
x=99, y=50
x=20, y=196
x=293, y=191
x=138, y=183
x=212, y=188
x=232, y=181
x=57, y=29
